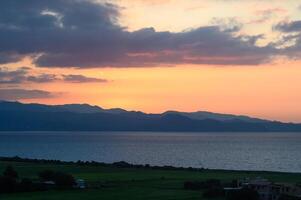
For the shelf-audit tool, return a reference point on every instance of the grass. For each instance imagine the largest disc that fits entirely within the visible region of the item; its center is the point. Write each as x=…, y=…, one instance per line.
x=130, y=183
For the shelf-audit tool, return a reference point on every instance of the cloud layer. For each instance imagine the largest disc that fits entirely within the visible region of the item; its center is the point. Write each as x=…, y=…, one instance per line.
x=82, y=33
x=291, y=38
x=23, y=75
x=293, y=26
x=76, y=78
x=16, y=94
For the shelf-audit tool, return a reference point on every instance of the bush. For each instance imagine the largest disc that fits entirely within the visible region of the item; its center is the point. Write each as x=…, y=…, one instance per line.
x=212, y=183
x=47, y=175
x=10, y=172
x=214, y=192
x=63, y=180
x=7, y=184
x=26, y=185
x=245, y=194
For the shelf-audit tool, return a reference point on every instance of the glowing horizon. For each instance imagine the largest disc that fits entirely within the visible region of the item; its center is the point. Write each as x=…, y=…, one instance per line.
x=161, y=67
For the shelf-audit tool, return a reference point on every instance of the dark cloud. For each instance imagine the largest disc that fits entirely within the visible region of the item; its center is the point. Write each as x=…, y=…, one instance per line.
x=22, y=75
x=42, y=78
x=16, y=94
x=82, y=33
x=291, y=38
x=292, y=26
x=81, y=79
x=12, y=77
x=9, y=57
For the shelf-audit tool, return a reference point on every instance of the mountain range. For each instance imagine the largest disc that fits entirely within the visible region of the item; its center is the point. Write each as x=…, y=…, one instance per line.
x=16, y=116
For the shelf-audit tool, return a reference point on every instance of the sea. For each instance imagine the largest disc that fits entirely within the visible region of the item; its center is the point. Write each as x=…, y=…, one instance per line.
x=233, y=151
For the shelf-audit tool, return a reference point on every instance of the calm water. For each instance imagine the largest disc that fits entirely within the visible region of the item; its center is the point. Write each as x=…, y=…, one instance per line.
x=245, y=151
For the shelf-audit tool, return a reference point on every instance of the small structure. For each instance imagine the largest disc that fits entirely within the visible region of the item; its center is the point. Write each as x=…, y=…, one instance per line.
x=80, y=183
x=261, y=186
x=49, y=182
x=278, y=189
x=268, y=190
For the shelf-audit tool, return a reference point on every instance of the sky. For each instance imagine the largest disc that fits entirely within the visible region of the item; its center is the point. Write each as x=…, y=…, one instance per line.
x=225, y=56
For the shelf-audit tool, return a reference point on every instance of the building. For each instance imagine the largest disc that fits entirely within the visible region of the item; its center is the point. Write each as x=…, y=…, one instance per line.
x=268, y=190
x=278, y=189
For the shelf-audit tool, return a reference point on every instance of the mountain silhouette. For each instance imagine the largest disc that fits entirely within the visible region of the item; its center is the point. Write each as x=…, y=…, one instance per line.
x=16, y=116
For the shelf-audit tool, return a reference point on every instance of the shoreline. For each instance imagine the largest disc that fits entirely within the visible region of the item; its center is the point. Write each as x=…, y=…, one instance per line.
x=126, y=165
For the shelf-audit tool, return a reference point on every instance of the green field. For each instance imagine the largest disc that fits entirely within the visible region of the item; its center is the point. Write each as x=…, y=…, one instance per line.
x=121, y=183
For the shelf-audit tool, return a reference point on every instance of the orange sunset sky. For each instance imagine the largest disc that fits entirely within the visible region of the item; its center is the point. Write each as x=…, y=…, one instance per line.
x=225, y=56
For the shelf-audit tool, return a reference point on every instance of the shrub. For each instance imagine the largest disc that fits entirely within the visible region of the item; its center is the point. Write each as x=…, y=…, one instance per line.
x=214, y=192
x=212, y=183
x=26, y=185
x=63, y=179
x=7, y=184
x=245, y=194
x=47, y=175
x=10, y=172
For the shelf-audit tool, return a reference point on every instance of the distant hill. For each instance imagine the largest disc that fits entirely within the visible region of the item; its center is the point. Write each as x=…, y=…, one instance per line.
x=76, y=108
x=16, y=116
x=201, y=115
